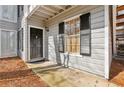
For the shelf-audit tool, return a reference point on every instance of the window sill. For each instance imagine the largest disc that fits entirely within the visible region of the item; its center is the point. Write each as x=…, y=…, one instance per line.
x=77, y=55
x=74, y=54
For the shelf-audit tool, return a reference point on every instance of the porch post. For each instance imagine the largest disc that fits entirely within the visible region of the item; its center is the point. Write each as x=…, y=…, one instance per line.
x=108, y=52
x=25, y=33
x=114, y=30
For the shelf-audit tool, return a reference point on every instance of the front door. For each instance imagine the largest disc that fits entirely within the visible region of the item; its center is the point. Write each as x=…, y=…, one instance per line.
x=36, y=43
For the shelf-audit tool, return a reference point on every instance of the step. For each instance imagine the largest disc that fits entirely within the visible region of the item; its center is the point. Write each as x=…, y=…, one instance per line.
x=35, y=60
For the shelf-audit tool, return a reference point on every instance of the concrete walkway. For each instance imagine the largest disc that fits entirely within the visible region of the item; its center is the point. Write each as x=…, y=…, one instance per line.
x=58, y=76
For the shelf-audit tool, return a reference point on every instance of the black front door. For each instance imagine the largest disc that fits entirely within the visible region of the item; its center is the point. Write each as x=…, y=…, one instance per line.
x=36, y=43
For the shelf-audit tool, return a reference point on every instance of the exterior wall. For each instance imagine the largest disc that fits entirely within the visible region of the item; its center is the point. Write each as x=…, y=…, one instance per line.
x=95, y=62
x=22, y=23
x=8, y=25
x=8, y=30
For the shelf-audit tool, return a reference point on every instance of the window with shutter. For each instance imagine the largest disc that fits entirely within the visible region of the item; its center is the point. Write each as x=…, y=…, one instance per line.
x=72, y=36
x=85, y=34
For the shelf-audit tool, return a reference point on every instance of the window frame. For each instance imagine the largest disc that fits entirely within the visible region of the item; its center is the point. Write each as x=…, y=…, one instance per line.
x=6, y=16
x=75, y=35
x=87, y=34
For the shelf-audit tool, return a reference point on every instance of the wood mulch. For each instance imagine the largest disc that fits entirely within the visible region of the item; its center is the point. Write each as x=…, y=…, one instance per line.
x=117, y=72
x=15, y=73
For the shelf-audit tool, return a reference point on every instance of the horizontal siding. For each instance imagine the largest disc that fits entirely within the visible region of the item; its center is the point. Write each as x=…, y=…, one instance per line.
x=97, y=20
x=98, y=46
x=98, y=14
x=8, y=33
x=97, y=35
x=97, y=25
x=8, y=43
x=35, y=22
x=98, y=41
x=93, y=63
x=8, y=25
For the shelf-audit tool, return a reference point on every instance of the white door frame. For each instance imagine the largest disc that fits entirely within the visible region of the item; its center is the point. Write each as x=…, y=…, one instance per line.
x=29, y=40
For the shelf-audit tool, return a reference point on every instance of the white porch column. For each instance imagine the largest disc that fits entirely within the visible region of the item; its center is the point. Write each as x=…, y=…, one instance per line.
x=25, y=33
x=108, y=49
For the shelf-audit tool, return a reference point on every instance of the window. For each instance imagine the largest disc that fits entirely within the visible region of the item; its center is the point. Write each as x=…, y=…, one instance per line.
x=72, y=36
x=9, y=13
x=85, y=35
x=61, y=37
x=75, y=35
x=5, y=11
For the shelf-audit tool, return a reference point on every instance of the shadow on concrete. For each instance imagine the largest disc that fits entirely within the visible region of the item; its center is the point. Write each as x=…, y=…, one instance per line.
x=56, y=43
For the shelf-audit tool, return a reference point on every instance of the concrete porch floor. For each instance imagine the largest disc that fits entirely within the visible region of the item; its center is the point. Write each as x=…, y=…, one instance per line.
x=58, y=76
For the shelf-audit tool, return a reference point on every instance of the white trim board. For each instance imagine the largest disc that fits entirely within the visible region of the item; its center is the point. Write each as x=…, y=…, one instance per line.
x=29, y=40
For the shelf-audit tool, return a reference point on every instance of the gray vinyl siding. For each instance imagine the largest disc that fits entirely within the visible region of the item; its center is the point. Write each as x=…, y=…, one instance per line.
x=8, y=35
x=8, y=43
x=93, y=63
x=8, y=25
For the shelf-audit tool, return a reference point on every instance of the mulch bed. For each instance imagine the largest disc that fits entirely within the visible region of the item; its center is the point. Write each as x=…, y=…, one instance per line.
x=14, y=73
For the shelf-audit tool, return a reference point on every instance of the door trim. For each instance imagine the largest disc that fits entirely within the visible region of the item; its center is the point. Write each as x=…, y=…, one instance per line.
x=31, y=26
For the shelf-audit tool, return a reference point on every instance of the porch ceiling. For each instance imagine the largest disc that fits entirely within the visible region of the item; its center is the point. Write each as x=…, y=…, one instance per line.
x=46, y=12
